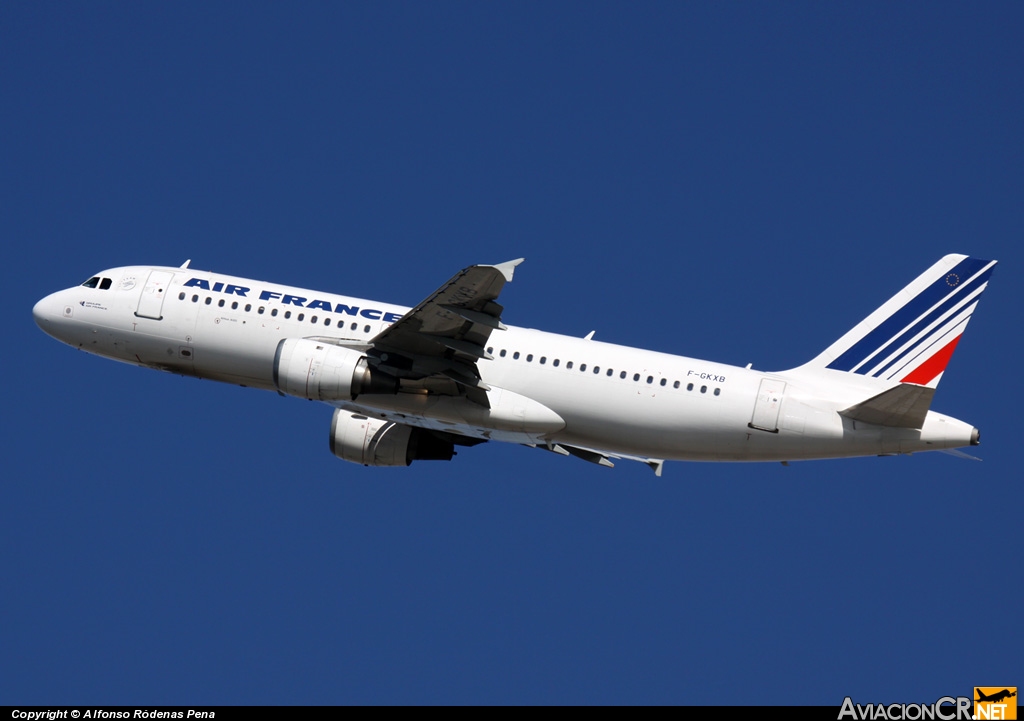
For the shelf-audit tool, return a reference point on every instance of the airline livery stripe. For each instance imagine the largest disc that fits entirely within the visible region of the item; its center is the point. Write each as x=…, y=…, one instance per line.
x=927, y=371
x=935, y=340
x=969, y=294
x=880, y=336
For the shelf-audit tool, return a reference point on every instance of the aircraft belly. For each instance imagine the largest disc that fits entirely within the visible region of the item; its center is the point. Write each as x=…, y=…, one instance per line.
x=685, y=425
x=510, y=413
x=656, y=423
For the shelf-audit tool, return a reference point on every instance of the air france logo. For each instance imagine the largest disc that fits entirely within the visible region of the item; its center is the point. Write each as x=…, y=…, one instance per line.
x=995, y=702
x=287, y=299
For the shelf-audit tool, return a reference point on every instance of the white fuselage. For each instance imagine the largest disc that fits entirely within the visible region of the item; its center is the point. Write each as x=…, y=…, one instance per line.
x=558, y=389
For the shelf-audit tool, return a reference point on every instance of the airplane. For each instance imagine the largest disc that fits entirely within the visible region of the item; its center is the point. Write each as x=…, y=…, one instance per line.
x=996, y=697
x=412, y=384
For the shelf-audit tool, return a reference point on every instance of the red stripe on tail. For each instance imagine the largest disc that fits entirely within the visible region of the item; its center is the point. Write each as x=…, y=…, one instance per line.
x=927, y=371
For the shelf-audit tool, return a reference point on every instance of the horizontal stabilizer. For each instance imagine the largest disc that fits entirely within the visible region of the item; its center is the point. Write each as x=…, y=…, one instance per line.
x=904, y=406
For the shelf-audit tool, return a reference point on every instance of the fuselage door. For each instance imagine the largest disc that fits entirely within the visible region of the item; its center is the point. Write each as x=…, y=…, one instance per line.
x=151, y=302
x=767, y=405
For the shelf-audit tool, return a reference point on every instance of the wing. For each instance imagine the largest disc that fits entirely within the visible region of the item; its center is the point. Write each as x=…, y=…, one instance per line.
x=442, y=338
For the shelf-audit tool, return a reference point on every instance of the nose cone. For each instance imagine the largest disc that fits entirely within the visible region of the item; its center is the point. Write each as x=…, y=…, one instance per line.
x=47, y=313
x=39, y=313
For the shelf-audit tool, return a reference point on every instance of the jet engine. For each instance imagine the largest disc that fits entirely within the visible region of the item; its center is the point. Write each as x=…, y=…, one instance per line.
x=376, y=442
x=325, y=372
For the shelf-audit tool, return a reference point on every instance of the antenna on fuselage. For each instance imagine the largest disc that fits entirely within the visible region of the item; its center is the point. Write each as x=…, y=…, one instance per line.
x=185, y=264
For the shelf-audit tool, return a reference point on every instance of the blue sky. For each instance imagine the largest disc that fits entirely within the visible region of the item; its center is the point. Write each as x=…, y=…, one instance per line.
x=741, y=182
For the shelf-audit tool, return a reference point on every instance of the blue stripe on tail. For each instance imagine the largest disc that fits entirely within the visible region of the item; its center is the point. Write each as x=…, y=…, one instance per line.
x=880, y=337
x=931, y=318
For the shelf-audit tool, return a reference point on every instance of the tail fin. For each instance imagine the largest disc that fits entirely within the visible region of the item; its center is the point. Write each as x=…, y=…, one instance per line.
x=911, y=338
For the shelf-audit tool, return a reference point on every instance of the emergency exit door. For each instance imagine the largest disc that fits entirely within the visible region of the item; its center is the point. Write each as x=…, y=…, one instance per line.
x=767, y=405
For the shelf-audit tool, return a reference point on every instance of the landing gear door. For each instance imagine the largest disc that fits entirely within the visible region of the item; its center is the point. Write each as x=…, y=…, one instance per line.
x=767, y=405
x=151, y=302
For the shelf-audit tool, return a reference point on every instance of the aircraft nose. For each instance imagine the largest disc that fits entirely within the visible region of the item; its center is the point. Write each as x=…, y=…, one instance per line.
x=47, y=312
x=39, y=312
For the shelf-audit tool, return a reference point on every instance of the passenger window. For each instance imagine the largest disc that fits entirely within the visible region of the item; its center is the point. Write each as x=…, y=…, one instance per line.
x=597, y=369
x=273, y=312
x=583, y=367
x=220, y=303
x=636, y=376
x=703, y=389
x=650, y=379
x=610, y=371
x=718, y=391
x=490, y=351
x=676, y=384
x=515, y=356
x=354, y=326
x=248, y=307
x=260, y=310
x=689, y=386
x=568, y=365
x=208, y=300
x=300, y=316
x=555, y=362
x=622, y=374
x=181, y=296
x=327, y=321
x=313, y=319
x=543, y=359
x=234, y=305
x=92, y=282
x=195, y=299
x=366, y=329
x=529, y=358
x=105, y=284
x=664, y=381
x=287, y=314
x=503, y=352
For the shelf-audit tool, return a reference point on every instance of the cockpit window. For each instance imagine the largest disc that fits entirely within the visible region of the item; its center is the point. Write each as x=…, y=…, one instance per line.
x=97, y=282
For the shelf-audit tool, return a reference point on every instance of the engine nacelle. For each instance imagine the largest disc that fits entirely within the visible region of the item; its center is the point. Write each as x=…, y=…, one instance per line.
x=326, y=372
x=376, y=442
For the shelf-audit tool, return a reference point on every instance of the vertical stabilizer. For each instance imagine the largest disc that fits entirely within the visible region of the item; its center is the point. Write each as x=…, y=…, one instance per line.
x=911, y=338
